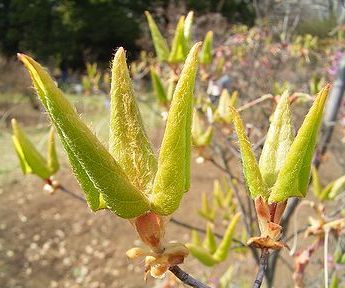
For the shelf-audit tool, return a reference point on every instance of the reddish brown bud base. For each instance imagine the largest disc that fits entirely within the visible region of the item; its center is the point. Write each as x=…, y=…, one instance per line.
x=150, y=228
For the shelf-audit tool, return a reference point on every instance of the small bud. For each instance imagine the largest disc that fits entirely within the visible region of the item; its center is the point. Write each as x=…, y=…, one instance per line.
x=48, y=188
x=150, y=228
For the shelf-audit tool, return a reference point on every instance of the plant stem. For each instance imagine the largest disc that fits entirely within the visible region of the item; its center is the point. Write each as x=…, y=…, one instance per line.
x=262, y=268
x=201, y=230
x=186, y=278
x=255, y=102
x=74, y=195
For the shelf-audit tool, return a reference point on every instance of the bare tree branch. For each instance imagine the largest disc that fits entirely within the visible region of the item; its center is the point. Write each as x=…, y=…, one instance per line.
x=74, y=195
x=262, y=268
x=186, y=278
x=201, y=230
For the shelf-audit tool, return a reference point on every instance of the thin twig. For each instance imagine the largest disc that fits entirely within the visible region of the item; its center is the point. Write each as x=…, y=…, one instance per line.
x=262, y=268
x=299, y=231
x=74, y=195
x=227, y=170
x=239, y=200
x=201, y=230
x=325, y=258
x=186, y=278
x=287, y=264
x=254, y=102
x=173, y=220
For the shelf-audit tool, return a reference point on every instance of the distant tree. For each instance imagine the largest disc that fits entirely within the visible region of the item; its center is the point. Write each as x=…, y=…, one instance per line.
x=72, y=31
x=75, y=31
x=239, y=11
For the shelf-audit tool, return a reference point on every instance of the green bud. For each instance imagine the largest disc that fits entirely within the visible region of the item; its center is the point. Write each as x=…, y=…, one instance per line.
x=96, y=170
x=31, y=161
x=173, y=175
x=159, y=42
x=178, y=46
x=128, y=142
x=278, y=141
x=251, y=170
x=293, y=177
x=207, y=47
x=158, y=88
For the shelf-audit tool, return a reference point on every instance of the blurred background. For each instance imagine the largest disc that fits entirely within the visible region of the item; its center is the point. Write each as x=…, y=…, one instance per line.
x=259, y=49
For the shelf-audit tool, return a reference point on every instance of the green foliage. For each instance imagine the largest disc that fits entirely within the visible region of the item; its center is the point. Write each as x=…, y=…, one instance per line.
x=180, y=44
x=123, y=179
x=173, y=175
x=339, y=254
x=293, y=178
x=210, y=242
x=285, y=169
x=206, y=211
x=224, y=199
x=316, y=83
x=187, y=31
x=201, y=137
x=330, y=191
x=223, y=249
x=128, y=142
x=209, y=252
x=334, y=282
x=159, y=42
x=280, y=87
x=31, y=161
x=91, y=80
x=96, y=170
x=222, y=203
x=158, y=88
x=207, y=48
x=278, y=141
x=222, y=113
x=52, y=158
x=226, y=279
x=251, y=169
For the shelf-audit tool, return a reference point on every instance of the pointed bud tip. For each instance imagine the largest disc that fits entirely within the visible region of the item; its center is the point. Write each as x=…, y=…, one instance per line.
x=25, y=59
x=323, y=93
x=14, y=123
x=120, y=50
x=20, y=56
x=120, y=56
x=325, y=89
x=196, y=47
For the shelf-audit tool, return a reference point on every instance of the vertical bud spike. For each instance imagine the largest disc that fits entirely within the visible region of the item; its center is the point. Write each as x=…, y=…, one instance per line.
x=128, y=142
x=173, y=175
